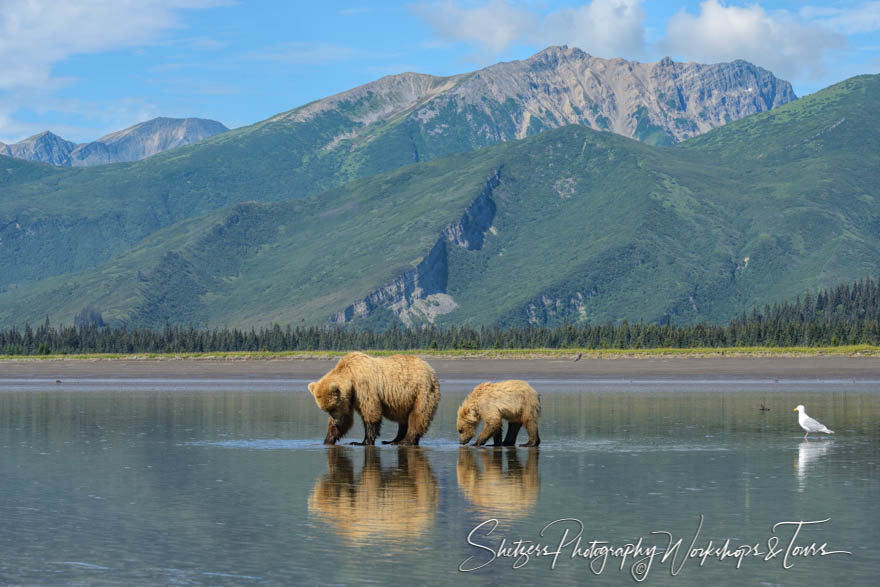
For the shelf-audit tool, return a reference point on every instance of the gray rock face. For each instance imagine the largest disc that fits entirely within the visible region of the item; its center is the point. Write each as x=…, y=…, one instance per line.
x=46, y=147
x=659, y=103
x=144, y=139
x=419, y=295
x=134, y=143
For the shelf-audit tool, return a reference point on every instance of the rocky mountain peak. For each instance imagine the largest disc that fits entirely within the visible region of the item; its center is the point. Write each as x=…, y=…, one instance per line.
x=659, y=103
x=45, y=146
x=145, y=139
x=551, y=56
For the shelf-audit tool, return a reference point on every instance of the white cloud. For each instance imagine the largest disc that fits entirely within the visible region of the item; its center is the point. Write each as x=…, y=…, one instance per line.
x=606, y=28
x=601, y=27
x=36, y=35
x=493, y=26
x=851, y=20
x=781, y=41
x=795, y=45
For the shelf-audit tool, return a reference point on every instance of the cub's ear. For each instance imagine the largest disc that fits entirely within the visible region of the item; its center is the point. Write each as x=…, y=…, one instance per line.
x=334, y=389
x=312, y=387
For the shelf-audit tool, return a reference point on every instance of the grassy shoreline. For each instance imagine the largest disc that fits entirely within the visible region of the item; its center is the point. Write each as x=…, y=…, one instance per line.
x=501, y=354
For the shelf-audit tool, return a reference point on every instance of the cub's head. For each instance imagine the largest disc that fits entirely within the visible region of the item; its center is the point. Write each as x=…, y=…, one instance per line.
x=467, y=422
x=334, y=397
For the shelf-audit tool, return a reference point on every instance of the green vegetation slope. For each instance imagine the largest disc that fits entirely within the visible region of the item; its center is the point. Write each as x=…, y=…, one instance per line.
x=568, y=225
x=58, y=223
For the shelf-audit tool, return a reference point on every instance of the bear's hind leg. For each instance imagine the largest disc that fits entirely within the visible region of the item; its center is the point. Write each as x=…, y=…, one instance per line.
x=532, y=429
x=420, y=416
x=371, y=432
x=512, y=433
x=401, y=433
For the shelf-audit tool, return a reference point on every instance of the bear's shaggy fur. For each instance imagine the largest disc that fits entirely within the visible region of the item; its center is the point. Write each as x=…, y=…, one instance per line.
x=513, y=400
x=401, y=388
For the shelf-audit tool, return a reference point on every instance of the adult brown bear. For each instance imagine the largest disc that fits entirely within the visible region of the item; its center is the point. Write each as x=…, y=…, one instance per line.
x=401, y=388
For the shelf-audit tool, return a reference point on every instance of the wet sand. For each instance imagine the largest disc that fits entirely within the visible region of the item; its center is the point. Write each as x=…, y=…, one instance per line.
x=820, y=368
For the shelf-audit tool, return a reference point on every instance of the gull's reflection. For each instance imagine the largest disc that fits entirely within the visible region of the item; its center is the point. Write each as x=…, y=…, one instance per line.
x=496, y=490
x=394, y=503
x=808, y=454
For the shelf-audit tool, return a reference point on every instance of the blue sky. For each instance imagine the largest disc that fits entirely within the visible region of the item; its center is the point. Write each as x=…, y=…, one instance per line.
x=82, y=68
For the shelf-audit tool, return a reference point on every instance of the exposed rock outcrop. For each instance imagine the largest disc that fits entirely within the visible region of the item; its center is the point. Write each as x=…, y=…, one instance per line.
x=419, y=295
x=660, y=103
x=45, y=147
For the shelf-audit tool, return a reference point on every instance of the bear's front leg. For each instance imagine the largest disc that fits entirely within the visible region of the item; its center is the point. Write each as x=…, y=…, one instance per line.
x=492, y=427
x=371, y=432
x=336, y=429
x=332, y=433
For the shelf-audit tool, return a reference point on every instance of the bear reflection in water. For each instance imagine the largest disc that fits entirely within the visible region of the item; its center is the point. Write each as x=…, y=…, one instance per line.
x=496, y=490
x=393, y=503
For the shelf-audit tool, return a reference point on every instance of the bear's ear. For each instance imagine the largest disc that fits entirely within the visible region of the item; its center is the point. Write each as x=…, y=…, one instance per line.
x=334, y=389
x=312, y=387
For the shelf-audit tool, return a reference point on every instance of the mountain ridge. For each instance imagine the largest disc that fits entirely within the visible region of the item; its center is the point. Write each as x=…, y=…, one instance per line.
x=78, y=218
x=568, y=225
x=129, y=144
x=562, y=85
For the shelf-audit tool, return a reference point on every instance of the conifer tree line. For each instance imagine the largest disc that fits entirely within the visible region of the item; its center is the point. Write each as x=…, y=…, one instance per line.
x=846, y=314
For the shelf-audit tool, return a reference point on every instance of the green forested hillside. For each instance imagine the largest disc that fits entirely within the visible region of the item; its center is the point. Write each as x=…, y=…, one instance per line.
x=55, y=221
x=567, y=225
x=63, y=221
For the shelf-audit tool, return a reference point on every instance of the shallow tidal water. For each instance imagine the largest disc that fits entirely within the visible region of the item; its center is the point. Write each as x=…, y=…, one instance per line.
x=226, y=482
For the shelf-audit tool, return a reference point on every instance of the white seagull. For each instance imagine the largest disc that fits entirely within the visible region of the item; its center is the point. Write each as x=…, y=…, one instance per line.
x=810, y=425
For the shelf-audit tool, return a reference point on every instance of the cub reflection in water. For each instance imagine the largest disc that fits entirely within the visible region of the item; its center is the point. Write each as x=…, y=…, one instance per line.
x=394, y=503
x=494, y=490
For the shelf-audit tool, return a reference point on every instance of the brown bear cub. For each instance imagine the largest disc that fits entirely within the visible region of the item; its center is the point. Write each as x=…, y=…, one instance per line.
x=514, y=401
x=401, y=388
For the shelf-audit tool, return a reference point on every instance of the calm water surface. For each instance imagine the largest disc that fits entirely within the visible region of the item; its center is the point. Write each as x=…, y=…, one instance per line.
x=224, y=482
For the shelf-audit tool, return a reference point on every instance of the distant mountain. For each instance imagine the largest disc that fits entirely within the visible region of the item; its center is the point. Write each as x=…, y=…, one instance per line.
x=131, y=144
x=569, y=225
x=145, y=139
x=45, y=147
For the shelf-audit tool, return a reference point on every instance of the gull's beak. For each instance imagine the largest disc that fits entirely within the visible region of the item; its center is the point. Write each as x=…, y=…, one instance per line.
x=794, y=410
